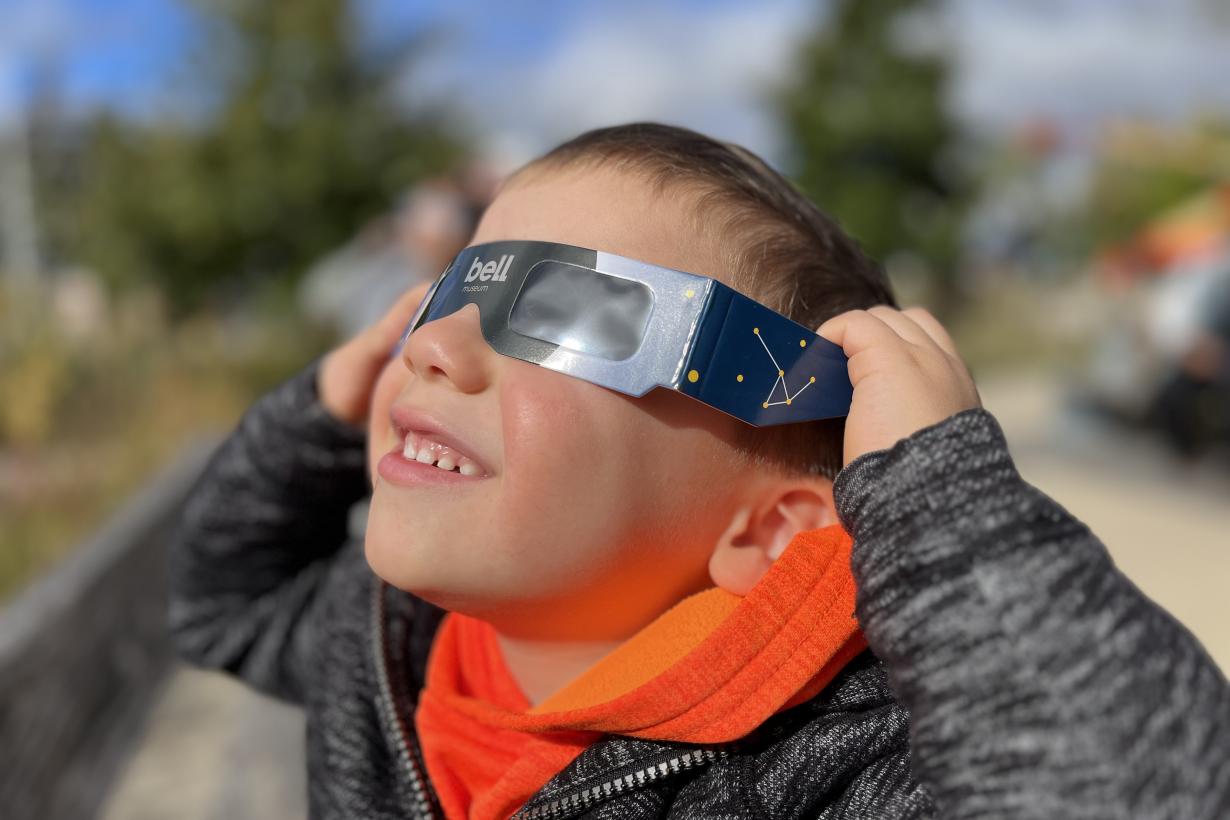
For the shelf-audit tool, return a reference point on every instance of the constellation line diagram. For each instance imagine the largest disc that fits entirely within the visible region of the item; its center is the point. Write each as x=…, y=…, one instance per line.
x=781, y=376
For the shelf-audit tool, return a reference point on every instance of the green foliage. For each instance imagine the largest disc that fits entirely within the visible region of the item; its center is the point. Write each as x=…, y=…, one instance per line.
x=1126, y=198
x=1145, y=172
x=85, y=422
x=35, y=372
x=294, y=146
x=868, y=134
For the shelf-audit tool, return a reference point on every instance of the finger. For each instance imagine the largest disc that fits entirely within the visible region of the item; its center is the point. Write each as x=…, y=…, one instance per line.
x=932, y=327
x=905, y=327
x=404, y=307
x=858, y=330
x=390, y=326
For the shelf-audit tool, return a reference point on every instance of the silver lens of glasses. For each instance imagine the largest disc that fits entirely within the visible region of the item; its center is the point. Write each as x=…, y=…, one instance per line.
x=583, y=310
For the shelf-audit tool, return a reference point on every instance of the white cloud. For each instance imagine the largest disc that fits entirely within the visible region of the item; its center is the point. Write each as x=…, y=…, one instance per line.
x=1081, y=62
x=706, y=69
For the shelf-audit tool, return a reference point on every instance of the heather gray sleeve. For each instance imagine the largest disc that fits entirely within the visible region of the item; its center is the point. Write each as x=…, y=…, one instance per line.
x=1040, y=681
x=257, y=536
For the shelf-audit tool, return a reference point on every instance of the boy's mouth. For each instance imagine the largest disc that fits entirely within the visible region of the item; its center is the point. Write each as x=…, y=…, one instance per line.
x=425, y=440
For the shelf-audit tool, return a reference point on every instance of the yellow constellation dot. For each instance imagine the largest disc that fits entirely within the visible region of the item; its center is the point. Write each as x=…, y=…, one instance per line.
x=802, y=343
x=787, y=401
x=689, y=293
x=781, y=372
x=813, y=378
x=693, y=375
x=739, y=378
x=765, y=405
x=756, y=330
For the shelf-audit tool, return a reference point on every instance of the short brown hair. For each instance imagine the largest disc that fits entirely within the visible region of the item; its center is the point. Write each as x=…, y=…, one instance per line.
x=781, y=250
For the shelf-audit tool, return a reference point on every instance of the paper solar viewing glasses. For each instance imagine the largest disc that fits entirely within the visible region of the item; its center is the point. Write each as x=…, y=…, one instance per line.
x=631, y=326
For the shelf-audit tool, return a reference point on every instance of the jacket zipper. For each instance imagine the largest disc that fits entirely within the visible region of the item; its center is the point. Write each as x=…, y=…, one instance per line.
x=407, y=755
x=581, y=800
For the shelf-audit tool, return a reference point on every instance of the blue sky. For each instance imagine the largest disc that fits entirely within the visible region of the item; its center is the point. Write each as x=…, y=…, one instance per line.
x=526, y=73
x=107, y=52
x=118, y=53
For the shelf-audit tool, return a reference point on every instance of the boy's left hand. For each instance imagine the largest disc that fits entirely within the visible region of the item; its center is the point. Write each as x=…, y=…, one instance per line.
x=906, y=373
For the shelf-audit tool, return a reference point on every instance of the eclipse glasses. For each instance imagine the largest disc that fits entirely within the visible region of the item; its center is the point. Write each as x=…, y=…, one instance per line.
x=631, y=326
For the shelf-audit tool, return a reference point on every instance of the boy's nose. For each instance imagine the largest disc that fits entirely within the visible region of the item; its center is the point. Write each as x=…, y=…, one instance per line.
x=453, y=348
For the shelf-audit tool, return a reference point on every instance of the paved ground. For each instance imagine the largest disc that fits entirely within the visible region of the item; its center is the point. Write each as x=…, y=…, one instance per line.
x=214, y=751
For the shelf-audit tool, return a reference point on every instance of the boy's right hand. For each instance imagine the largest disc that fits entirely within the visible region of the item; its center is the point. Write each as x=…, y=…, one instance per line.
x=906, y=373
x=348, y=373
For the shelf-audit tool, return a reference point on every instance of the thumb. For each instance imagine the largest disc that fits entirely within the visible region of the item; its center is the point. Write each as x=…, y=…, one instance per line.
x=833, y=329
x=389, y=327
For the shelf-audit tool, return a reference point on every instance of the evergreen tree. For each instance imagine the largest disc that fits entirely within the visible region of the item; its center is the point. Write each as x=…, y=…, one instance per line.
x=294, y=144
x=869, y=138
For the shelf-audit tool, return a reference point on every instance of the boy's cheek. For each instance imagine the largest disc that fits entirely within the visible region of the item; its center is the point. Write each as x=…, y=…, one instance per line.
x=389, y=385
x=548, y=426
x=563, y=449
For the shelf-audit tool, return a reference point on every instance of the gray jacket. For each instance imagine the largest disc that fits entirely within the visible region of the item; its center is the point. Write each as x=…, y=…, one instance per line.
x=1014, y=672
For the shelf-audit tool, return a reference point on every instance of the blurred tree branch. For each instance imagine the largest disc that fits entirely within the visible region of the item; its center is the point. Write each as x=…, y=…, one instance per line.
x=293, y=145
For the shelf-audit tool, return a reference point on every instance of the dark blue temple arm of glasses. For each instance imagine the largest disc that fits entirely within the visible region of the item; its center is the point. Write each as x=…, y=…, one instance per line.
x=761, y=367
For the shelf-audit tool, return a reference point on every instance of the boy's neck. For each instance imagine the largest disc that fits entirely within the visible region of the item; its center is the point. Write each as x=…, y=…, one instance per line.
x=543, y=667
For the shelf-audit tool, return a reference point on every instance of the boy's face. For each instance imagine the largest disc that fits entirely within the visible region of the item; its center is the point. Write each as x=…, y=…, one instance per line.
x=597, y=511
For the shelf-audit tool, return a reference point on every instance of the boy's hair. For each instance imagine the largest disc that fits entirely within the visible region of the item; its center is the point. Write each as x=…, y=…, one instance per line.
x=777, y=245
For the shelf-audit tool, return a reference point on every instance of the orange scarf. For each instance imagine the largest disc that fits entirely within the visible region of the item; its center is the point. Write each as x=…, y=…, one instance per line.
x=708, y=670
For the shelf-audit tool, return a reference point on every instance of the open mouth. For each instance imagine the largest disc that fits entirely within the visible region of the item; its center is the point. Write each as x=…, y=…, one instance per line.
x=429, y=450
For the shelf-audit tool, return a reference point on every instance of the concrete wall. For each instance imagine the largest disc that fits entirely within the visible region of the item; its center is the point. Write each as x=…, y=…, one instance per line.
x=83, y=650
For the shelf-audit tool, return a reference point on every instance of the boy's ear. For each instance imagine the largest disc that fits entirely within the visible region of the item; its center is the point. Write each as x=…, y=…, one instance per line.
x=760, y=529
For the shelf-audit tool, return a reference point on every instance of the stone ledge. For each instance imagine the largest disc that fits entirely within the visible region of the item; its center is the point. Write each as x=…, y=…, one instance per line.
x=82, y=651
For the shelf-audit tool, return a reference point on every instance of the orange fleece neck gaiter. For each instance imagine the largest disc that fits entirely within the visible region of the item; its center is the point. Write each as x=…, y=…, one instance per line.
x=709, y=670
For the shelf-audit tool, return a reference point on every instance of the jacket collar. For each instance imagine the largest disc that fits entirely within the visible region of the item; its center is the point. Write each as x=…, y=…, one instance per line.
x=618, y=764
x=403, y=627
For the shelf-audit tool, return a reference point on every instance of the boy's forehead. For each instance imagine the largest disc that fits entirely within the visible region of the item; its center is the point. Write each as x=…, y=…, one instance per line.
x=605, y=209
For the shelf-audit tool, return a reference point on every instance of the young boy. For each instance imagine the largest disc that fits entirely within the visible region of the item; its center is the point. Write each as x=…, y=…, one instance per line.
x=575, y=603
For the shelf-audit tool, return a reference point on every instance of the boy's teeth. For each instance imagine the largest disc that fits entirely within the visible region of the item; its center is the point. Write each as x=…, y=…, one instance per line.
x=426, y=451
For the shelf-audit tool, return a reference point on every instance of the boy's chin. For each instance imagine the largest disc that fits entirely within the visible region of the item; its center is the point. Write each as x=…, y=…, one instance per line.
x=407, y=568
x=394, y=567
x=392, y=559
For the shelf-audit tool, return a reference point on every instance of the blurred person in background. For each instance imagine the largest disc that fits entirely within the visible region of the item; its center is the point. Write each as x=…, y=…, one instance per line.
x=353, y=287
